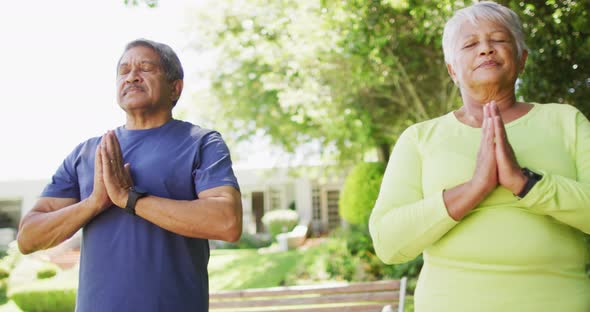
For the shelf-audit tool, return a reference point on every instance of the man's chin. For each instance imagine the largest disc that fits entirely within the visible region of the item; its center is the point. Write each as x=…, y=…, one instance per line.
x=134, y=105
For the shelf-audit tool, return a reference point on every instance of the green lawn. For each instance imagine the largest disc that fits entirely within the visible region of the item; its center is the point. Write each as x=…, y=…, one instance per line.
x=246, y=268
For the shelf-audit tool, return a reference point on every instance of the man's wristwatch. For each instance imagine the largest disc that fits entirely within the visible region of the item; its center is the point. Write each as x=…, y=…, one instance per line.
x=135, y=193
x=532, y=179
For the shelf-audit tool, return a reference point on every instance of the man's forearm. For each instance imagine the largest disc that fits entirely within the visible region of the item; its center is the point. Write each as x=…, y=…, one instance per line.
x=42, y=229
x=209, y=218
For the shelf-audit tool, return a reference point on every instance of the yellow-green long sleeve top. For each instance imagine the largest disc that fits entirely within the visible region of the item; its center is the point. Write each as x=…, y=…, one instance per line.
x=507, y=254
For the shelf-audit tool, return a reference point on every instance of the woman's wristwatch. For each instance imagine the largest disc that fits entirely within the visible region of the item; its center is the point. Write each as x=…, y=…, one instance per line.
x=532, y=179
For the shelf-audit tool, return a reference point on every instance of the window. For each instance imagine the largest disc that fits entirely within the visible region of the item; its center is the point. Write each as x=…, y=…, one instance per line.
x=333, y=215
x=275, y=199
x=316, y=204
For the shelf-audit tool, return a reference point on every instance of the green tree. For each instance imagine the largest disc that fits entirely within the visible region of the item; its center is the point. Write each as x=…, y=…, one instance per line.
x=558, y=35
x=352, y=74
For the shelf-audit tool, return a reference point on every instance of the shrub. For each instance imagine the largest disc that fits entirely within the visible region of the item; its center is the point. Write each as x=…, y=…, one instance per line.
x=360, y=192
x=4, y=270
x=254, y=241
x=280, y=221
x=247, y=241
x=9, y=260
x=341, y=264
x=45, y=295
x=357, y=260
x=3, y=290
x=47, y=270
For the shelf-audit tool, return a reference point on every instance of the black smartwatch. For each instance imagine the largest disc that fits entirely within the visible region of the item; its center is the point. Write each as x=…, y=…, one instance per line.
x=532, y=179
x=135, y=193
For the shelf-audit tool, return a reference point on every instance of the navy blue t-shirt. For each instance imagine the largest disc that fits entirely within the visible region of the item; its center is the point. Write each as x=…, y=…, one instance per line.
x=126, y=262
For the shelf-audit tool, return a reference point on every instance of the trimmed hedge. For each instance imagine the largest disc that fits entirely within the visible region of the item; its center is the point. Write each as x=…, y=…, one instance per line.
x=45, y=295
x=247, y=241
x=47, y=270
x=4, y=270
x=360, y=192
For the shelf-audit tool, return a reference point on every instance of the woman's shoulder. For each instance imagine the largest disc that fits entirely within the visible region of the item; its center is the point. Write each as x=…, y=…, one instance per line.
x=563, y=115
x=557, y=108
x=429, y=129
x=429, y=125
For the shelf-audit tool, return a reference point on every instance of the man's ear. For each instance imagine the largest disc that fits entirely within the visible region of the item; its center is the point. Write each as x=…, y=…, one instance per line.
x=177, y=86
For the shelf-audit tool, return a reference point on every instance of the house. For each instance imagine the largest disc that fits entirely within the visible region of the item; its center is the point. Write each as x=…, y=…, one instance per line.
x=16, y=198
x=312, y=191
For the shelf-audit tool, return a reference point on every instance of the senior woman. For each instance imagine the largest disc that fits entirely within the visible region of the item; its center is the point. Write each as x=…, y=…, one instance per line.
x=495, y=194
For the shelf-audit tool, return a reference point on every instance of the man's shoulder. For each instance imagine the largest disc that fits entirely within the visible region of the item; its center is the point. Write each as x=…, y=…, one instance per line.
x=87, y=146
x=196, y=132
x=192, y=130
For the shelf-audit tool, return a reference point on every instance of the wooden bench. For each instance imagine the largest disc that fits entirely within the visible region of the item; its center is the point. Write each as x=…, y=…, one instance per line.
x=369, y=296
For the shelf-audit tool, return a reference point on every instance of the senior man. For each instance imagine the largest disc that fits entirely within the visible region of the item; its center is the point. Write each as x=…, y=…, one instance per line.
x=147, y=195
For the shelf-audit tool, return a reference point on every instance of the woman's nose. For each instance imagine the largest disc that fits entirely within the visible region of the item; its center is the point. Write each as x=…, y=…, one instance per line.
x=486, y=49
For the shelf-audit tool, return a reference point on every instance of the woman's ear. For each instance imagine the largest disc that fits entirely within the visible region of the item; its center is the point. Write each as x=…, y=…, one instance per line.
x=452, y=74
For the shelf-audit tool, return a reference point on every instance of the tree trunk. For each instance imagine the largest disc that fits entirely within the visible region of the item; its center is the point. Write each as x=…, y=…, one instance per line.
x=384, y=149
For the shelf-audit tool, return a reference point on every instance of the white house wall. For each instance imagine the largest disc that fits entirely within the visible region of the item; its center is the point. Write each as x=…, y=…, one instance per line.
x=303, y=199
x=26, y=191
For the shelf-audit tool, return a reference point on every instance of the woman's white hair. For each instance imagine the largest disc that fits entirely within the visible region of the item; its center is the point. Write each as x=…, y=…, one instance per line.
x=483, y=11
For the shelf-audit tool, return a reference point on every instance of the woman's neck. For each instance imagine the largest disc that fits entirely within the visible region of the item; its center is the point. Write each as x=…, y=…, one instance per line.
x=471, y=113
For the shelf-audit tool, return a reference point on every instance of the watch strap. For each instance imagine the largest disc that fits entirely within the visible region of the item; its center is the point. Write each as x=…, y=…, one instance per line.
x=132, y=197
x=532, y=179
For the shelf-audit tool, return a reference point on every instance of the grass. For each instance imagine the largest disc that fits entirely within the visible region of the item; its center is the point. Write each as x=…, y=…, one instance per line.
x=246, y=268
x=231, y=269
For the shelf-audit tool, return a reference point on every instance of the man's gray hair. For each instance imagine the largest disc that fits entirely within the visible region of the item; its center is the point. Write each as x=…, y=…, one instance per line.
x=483, y=11
x=168, y=58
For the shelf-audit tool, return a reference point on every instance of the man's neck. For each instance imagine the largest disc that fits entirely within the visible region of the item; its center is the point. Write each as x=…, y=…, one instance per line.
x=143, y=120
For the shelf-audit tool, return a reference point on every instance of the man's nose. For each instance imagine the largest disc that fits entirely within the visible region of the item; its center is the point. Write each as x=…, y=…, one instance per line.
x=133, y=76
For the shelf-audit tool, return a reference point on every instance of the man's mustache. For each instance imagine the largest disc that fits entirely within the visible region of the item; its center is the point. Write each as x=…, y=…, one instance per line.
x=133, y=86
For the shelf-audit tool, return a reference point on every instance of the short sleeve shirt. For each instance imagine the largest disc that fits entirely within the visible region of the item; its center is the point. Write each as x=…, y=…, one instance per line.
x=128, y=263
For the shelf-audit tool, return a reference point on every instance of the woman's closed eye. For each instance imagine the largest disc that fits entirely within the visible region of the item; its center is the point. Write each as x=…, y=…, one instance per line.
x=469, y=45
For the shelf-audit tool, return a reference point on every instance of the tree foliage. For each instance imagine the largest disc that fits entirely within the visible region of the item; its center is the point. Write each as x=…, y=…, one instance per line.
x=149, y=3
x=352, y=74
x=558, y=35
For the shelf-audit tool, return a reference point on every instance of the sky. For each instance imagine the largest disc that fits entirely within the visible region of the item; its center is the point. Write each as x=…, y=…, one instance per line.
x=57, y=79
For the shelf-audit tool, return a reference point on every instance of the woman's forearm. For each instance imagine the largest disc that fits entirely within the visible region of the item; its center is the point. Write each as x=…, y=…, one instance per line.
x=462, y=198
